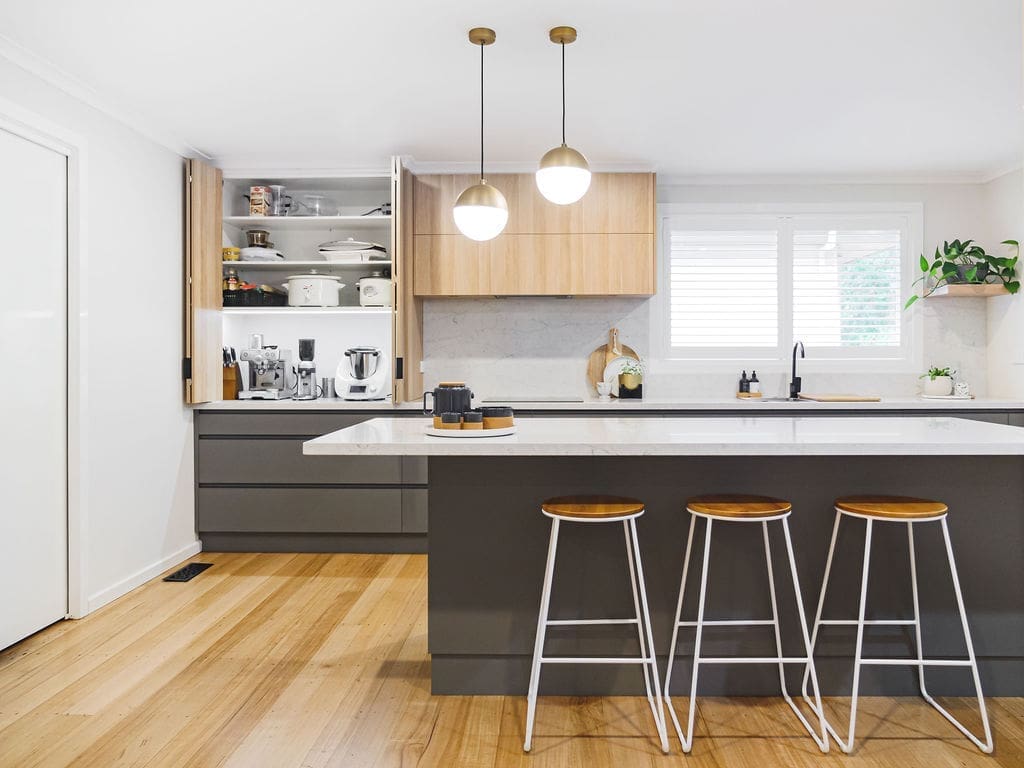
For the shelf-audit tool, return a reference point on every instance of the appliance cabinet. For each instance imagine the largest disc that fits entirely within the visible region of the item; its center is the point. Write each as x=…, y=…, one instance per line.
x=603, y=245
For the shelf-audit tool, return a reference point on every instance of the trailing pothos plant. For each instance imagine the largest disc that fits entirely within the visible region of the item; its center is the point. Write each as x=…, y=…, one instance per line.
x=967, y=262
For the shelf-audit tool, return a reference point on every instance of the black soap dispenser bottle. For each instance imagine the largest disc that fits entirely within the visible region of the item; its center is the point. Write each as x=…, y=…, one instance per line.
x=744, y=383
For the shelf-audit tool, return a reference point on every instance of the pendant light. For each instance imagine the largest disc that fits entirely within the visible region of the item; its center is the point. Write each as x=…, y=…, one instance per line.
x=564, y=175
x=481, y=211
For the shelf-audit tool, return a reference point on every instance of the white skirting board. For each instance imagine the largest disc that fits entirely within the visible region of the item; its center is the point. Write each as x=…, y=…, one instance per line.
x=140, y=577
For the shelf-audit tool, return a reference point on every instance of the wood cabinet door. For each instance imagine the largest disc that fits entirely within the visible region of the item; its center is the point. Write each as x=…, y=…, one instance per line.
x=603, y=245
x=203, y=368
x=407, y=318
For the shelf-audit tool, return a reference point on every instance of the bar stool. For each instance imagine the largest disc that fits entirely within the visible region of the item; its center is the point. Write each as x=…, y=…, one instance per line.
x=741, y=509
x=898, y=509
x=597, y=509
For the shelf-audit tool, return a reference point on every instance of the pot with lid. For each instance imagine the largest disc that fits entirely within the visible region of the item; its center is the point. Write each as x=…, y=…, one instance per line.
x=313, y=290
x=374, y=290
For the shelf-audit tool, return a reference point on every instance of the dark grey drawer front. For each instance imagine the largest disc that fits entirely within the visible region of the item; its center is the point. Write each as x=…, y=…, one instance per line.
x=300, y=510
x=414, y=510
x=253, y=461
x=297, y=424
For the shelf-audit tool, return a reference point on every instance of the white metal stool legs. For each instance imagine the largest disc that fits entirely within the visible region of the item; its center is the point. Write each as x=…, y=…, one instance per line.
x=920, y=662
x=647, y=659
x=686, y=737
x=538, y=646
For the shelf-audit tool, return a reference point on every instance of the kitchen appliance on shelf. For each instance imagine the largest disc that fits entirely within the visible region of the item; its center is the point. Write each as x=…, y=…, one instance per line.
x=313, y=290
x=305, y=371
x=374, y=290
x=265, y=371
x=362, y=375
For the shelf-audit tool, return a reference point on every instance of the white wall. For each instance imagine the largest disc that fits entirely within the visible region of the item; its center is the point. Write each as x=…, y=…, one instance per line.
x=138, y=480
x=1004, y=203
x=540, y=346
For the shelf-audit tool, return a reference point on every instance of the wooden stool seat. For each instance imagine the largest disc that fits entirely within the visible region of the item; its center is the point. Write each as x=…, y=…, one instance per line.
x=591, y=507
x=891, y=507
x=738, y=505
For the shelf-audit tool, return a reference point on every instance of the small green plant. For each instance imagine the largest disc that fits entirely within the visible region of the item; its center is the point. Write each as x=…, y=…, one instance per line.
x=633, y=368
x=967, y=262
x=934, y=373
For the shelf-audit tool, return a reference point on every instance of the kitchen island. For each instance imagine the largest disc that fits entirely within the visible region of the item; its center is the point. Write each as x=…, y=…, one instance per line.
x=487, y=540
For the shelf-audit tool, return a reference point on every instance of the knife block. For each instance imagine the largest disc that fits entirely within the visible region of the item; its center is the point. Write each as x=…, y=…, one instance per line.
x=232, y=380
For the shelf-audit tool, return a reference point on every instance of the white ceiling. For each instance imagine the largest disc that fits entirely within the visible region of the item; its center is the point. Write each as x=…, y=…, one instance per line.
x=929, y=88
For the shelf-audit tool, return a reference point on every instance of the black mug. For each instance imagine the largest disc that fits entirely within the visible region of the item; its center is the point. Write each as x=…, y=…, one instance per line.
x=453, y=397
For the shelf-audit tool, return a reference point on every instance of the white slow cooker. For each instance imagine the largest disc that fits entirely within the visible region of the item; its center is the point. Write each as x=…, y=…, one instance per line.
x=313, y=290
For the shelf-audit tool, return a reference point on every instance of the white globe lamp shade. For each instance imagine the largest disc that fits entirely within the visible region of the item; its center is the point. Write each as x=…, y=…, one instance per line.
x=563, y=176
x=481, y=212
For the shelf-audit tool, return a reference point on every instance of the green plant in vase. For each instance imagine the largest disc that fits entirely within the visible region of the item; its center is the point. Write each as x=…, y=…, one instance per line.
x=967, y=263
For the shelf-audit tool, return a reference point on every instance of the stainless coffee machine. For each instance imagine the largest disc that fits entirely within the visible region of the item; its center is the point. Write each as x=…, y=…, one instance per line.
x=265, y=371
x=305, y=371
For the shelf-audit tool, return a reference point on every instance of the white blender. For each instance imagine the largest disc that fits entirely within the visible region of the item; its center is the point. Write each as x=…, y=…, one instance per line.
x=363, y=375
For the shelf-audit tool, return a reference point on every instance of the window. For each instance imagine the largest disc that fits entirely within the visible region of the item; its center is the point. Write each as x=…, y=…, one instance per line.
x=743, y=286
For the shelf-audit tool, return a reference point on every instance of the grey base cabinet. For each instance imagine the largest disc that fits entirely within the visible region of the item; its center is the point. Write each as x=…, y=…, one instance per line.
x=256, y=492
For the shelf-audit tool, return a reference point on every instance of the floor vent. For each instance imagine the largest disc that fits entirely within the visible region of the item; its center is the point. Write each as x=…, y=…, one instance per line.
x=188, y=572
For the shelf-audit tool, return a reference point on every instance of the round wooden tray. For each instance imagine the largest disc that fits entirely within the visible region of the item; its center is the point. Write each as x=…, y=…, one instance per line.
x=499, y=432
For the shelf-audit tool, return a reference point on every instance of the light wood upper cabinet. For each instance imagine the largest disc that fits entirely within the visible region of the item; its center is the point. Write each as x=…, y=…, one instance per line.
x=601, y=246
x=203, y=366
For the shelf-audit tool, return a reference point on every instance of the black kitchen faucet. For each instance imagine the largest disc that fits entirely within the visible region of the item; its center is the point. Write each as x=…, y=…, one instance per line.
x=794, y=383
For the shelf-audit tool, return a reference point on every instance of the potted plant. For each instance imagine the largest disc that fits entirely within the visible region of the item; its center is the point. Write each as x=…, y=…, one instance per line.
x=967, y=262
x=631, y=377
x=938, y=382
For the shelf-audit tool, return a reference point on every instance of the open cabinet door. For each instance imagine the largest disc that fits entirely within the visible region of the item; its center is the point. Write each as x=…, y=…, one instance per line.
x=203, y=363
x=407, y=318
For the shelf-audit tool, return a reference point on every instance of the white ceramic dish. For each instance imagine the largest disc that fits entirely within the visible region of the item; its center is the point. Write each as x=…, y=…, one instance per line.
x=500, y=432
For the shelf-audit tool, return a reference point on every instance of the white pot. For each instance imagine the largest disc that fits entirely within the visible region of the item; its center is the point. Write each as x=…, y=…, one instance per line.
x=939, y=386
x=313, y=290
x=374, y=291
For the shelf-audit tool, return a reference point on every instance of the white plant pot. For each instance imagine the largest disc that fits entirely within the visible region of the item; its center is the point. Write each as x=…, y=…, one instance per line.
x=939, y=386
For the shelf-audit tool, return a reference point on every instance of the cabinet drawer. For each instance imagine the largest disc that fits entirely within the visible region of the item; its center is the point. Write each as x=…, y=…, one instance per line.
x=256, y=461
x=299, y=510
x=297, y=424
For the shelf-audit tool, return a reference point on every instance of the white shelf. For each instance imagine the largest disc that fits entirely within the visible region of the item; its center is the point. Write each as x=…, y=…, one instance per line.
x=351, y=223
x=383, y=311
x=292, y=266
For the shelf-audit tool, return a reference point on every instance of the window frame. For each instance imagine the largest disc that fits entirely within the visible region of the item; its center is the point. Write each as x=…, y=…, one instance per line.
x=907, y=217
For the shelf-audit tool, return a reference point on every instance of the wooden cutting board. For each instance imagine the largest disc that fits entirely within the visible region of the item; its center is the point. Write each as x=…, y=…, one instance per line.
x=603, y=355
x=841, y=398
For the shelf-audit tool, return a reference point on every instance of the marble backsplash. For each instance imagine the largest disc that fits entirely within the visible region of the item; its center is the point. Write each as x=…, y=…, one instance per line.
x=540, y=347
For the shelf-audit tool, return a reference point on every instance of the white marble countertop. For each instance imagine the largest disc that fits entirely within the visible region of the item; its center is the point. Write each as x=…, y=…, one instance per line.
x=687, y=436
x=647, y=404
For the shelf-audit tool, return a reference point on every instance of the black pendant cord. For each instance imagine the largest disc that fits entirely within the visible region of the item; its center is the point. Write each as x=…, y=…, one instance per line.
x=563, y=94
x=481, y=113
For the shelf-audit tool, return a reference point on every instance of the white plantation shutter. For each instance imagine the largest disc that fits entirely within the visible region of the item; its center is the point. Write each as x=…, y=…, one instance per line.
x=744, y=286
x=724, y=288
x=847, y=288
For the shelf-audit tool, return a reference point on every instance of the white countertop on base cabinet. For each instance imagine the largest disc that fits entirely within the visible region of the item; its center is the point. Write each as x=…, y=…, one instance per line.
x=687, y=436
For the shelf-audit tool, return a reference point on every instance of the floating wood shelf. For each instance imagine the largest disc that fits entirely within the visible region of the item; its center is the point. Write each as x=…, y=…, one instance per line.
x=961, y=289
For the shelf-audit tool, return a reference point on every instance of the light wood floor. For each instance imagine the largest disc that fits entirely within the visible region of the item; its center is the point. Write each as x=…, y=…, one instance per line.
x=320, y=660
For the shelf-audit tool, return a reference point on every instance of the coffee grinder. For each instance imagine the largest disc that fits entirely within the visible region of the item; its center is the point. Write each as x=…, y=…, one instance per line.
x=305, y=371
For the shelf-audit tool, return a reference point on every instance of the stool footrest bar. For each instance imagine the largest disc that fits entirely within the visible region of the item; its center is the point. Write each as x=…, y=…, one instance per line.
x=731, y=623
x=921, y=663
x=752, y=660
x=868, y=623
x=593, y=660
x=587, y=622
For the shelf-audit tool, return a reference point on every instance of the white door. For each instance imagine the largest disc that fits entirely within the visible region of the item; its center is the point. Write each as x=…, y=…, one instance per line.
x=33, y=388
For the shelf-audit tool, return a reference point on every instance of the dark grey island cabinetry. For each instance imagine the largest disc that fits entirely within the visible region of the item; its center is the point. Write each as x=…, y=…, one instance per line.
x=256, y=492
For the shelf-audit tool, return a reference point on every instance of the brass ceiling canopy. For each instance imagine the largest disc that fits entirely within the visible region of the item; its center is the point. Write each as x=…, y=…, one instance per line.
x=485, y=36
x=562, y=35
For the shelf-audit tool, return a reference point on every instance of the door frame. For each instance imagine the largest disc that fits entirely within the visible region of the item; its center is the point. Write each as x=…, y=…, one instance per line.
x=39, y=130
